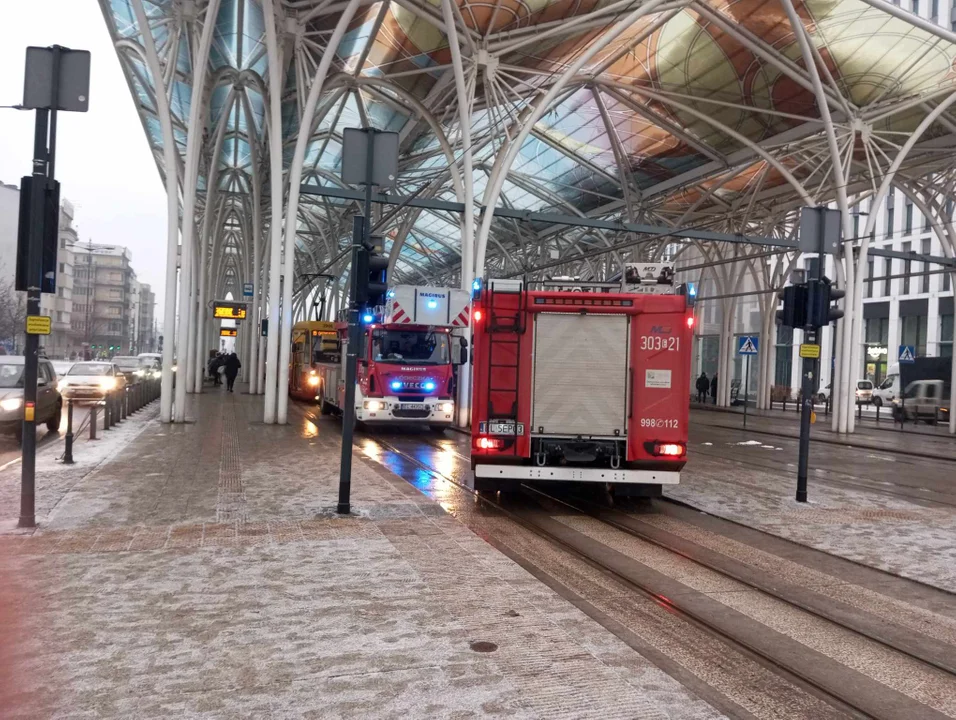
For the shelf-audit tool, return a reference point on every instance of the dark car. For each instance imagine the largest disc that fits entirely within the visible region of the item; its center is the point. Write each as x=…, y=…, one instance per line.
x=49, y=407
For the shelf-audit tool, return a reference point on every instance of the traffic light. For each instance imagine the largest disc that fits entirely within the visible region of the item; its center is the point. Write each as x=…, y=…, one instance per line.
x=823, y=294
x=371, y=275
x=794, y=312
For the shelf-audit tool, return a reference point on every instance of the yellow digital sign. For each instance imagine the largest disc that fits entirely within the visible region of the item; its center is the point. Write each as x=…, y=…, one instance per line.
x=228, y=332
x=229, y=310
x=39, y=324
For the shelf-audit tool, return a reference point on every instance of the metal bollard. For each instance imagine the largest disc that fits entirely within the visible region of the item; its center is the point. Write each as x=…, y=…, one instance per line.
x=124, y=403
x=107, y=412
x=878, y=414
x=68, y=452
x=859, y=411
x=93, y=421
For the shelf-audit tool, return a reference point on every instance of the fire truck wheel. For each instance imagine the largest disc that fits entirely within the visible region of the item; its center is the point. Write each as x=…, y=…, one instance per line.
x=320, y=401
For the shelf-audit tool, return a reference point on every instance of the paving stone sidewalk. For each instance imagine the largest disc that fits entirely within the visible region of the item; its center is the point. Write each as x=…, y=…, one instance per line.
x=200, y=572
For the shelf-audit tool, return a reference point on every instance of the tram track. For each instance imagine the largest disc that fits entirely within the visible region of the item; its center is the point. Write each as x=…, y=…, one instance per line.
x=821, y=676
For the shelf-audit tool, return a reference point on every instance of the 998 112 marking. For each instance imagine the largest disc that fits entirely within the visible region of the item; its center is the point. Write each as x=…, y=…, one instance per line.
x=666, y=423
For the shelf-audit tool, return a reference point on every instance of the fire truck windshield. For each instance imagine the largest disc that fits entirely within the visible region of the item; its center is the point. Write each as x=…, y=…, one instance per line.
x=422, y=347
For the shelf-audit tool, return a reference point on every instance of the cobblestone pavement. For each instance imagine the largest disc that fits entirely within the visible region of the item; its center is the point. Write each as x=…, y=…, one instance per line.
x=200, y=572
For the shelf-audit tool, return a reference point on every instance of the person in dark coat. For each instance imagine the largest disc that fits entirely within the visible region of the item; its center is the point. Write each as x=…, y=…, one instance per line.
x=214, y=365
x=713, y=388
x=703, y=385
x=232, y=365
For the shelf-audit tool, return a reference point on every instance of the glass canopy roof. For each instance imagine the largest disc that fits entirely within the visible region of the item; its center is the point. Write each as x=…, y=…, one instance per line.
x=698, y=114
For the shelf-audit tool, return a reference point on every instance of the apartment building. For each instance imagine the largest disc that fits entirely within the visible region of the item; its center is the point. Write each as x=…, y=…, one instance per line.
x=103, y=280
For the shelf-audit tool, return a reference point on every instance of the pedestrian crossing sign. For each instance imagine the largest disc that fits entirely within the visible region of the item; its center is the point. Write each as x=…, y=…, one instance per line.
x=907, y=354
x=747, y=345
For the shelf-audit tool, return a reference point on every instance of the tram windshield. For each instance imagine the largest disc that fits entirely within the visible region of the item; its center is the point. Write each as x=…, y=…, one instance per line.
x=422, y=347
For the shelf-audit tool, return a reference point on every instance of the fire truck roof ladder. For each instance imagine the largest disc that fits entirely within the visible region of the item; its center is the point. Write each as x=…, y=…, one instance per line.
x=504, y=333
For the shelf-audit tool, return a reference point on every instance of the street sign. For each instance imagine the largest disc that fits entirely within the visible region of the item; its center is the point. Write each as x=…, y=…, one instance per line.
x=39, y=324
x=907, y=354
x=247, y=289
x=809, y=351
x=228, y=332
x=747, y=345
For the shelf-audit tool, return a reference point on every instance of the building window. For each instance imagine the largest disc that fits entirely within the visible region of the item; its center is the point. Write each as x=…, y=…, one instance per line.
x=62, y=267
x=113, y=311
x=889, y=221
x=913, y=332
x=907, y=269
x=869, y=279
x=916, y=7
x=924, y=283
x=934, y=10
x=926, y=223
x=946, y=335
x=114, y=293
x=946, y=276
x=784, y=360
x=876, y=337
x=887, y=274
x=908, y=219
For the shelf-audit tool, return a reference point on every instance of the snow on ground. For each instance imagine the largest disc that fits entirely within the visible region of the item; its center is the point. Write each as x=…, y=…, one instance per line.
x=54, y=479
x=881, y=531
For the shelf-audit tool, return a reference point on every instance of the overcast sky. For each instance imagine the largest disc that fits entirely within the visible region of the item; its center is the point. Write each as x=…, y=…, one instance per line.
x=103, y=161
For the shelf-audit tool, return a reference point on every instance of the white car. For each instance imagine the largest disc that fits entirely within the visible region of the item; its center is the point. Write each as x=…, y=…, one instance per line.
x=92, y=380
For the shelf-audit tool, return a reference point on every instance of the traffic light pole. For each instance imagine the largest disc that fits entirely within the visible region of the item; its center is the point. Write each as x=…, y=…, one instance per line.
x=38, y=189
x=351, y=366
x=806, y=409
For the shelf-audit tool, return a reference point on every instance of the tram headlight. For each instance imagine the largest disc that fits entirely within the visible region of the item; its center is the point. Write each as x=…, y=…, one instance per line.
x=313, y=380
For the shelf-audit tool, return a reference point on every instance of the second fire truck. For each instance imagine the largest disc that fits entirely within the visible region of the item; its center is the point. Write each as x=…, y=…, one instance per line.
x=408, y=359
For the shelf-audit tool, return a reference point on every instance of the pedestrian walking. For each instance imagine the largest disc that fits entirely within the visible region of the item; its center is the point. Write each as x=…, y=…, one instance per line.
x=703, y=385
x=232, y=366
x=713, y=388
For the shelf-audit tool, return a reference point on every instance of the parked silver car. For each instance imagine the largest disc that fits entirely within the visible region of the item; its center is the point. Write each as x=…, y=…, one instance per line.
x=49, y=407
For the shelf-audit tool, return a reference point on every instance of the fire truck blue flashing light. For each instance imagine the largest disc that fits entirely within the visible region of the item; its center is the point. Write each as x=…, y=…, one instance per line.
x=390, y=294
x=692, y=289
x=367, y=318
x=432, y=304
x=428, y=386
x=396, y=385
x=475, y=288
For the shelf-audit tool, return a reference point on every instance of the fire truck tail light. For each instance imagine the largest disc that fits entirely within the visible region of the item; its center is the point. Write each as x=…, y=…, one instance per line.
x=487, y=443
x=476, y=315
x=690, y=321
x=669, y=449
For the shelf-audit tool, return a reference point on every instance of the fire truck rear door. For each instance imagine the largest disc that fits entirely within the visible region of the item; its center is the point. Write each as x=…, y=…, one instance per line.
x=580, y=375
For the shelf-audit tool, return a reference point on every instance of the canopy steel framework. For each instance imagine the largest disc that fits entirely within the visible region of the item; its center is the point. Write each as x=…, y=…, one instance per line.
x=721, y=116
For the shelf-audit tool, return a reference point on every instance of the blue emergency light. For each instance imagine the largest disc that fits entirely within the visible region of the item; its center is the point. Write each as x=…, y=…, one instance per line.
x=367, y=318
x=396, y=385
x=429, y=386
x=432, y=304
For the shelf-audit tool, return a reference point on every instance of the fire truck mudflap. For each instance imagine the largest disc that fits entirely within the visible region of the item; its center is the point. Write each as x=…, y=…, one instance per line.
x=582, y=387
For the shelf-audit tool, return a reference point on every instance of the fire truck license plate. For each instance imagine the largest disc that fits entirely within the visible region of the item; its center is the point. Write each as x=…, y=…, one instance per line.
x=411, y=406
x=505, y=428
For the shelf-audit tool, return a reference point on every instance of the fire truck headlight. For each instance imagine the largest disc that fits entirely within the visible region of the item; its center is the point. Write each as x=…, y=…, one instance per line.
x=428, y=386
x=374, y=405
x=446, y=407
x=313, y=380
x=395, y=384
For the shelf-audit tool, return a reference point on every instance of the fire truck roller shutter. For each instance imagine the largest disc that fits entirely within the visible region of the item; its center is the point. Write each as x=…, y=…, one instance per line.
x=580, y=375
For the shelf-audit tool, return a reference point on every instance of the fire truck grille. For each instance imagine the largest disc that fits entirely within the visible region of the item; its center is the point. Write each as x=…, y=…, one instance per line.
x=410, y=414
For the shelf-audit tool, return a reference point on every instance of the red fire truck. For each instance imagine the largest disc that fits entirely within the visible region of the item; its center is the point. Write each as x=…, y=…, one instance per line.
x=407, y=359
x=579, y=387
